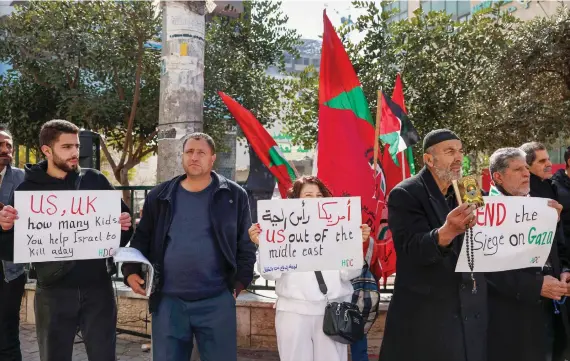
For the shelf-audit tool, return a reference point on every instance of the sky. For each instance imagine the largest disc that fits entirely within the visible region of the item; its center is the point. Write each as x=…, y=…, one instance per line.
x=307, y=16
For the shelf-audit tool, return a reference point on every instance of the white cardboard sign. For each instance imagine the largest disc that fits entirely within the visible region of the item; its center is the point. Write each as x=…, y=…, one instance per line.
x=66, y=225
x=511, y=233
x=310, y=234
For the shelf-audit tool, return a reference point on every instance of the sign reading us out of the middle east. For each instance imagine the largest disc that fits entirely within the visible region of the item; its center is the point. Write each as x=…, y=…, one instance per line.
x=310, y=234
x=511, y=233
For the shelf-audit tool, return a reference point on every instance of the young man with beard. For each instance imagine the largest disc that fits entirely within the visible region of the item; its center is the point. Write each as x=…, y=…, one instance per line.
x=194, y=230
x=523, y=322
x=12, y=276
x=435, y=313
x=69, y=294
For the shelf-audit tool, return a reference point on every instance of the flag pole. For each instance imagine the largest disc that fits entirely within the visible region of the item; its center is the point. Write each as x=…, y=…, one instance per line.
x=403, y=165
x=293, y=167
x=377, y=130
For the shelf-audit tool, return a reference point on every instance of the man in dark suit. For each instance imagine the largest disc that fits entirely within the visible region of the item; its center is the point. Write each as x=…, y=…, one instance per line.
x=527, y=320
x=435, y=313
x=12, y=276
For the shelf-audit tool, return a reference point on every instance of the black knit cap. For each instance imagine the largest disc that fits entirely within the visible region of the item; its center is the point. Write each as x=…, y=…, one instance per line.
x=437, y=136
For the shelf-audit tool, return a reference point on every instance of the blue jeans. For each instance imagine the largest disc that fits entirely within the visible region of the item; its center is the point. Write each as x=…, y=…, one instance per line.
x=211, y=321
x=359, y=350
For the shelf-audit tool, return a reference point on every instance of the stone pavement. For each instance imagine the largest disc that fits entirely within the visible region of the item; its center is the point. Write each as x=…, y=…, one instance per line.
x=126, y=350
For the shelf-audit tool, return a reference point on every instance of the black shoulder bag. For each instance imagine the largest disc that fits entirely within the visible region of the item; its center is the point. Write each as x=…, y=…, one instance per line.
x=343, y=321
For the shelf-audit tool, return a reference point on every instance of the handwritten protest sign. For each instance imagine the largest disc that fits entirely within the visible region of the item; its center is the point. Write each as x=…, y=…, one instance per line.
x=310, y=234
x=511, y=233
x=66, y=225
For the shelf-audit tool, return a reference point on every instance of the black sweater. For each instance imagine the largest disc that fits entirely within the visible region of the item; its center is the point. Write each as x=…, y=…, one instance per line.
x=82, y=272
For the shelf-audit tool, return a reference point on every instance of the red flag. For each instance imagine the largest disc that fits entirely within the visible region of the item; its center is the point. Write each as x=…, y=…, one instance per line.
x=398, y=93
x=263, y=144
x=346, y=132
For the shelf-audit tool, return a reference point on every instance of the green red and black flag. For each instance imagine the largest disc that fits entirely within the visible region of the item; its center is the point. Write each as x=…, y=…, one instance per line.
x=395, y=173
x=393, y=170
x=398, y=98
x=396, y=130
x=263, y=145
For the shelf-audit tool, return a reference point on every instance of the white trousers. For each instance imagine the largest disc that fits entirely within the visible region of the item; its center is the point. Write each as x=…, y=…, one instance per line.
x=301, y=338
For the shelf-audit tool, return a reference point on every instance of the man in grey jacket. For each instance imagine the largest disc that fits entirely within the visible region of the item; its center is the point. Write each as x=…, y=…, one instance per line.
x=12, y=276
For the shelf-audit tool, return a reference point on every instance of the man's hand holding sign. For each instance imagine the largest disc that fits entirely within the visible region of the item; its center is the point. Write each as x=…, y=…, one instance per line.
x=51, y=226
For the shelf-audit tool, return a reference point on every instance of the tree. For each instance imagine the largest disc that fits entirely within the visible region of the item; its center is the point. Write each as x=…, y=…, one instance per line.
x=92, y=57
x=527, y=95
x=25, y=106
x=301, y=107
x=238, y=53
x=441, y=62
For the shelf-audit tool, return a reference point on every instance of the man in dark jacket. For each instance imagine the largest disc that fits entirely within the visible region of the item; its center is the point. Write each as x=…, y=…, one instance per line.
x=194, y=232
x=435, y=314
x=69, y=294
x=12, y=276
x=526, y=319
x=561, y=182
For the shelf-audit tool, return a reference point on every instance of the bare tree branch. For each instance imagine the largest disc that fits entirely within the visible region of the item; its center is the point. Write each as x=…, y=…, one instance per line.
x=136, y=155
x=143, y=153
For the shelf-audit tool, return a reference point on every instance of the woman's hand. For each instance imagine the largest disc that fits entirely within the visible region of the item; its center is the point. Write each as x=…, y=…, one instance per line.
x=365, y=232
x=254, y=232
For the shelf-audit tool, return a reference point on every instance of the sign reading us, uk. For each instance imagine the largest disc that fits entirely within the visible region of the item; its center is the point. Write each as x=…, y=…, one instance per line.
x=66, y=225
x=511, y=233
x=310, y=234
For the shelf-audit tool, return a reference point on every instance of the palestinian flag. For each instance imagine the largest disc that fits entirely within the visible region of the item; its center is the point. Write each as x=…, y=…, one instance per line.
x=493, y=191
x=398, y=98
x=396, y=129
x=263, y=144
x=394, y=173
x=346, y=132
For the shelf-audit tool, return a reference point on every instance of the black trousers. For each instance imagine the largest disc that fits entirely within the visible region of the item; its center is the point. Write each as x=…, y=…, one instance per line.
x=10, y=300
x=60, y=312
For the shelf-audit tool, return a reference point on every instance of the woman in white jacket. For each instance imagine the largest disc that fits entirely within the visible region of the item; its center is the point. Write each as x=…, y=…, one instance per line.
x=300, y=304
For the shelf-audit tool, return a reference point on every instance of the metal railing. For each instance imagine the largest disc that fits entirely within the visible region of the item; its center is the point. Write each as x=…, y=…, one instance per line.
x=269, y=286
x=137, y=197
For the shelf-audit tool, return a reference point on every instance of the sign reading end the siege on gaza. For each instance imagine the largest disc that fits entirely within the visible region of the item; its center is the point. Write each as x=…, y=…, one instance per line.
x=310, y=234
x=510, y=233
x=66, y=225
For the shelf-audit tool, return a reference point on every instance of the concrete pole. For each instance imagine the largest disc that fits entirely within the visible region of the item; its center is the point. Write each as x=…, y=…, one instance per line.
x=181, y=81
x=181, y=86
